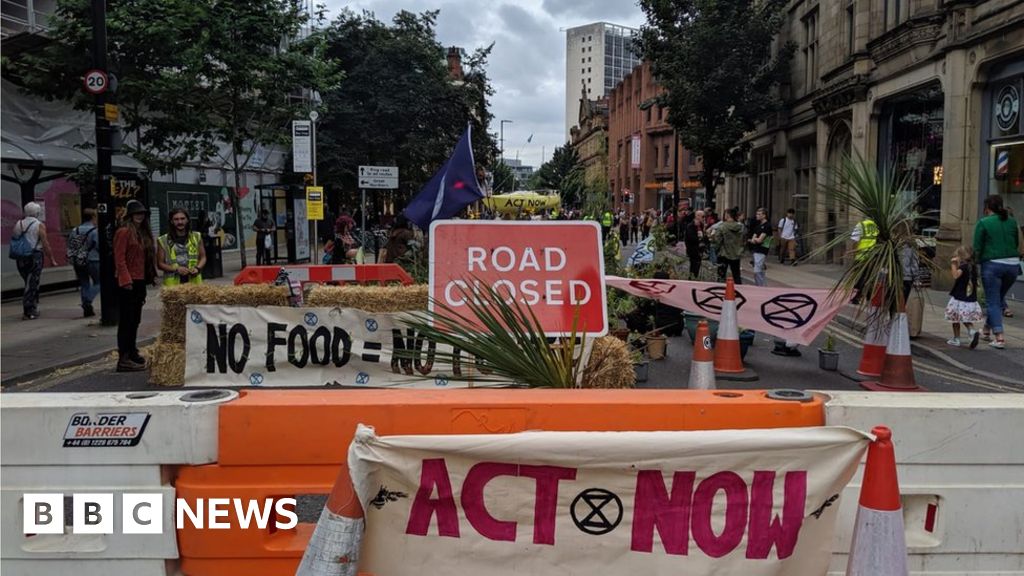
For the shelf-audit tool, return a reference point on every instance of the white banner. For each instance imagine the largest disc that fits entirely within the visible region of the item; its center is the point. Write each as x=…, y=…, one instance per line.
x=634, y=149
x=751, y=502
x=302, y=146
x=284, y=346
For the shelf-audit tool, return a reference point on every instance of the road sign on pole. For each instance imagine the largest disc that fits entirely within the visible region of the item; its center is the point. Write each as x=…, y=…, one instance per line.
x=95, y=81
x=378, y=177
x=315, y=202
x=302, y=146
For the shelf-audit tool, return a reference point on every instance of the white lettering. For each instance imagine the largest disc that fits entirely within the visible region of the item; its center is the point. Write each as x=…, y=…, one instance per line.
x=253, y=509
x=553, y=290
x=529, y=260
x=511, y=290
x=280, y=507
x=218, y=509
x=195, y=517
x=548, y=259
x=530, y=295
x=511, y=258
x=573, y=299
x=476, y=256
x=448, y=296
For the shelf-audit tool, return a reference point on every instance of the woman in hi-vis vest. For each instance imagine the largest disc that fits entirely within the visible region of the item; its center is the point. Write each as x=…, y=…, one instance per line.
x=180, y=253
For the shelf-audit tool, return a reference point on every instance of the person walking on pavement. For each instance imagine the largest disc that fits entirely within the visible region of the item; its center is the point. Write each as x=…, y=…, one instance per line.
x=134, y=264
x=963, y=307
x=997, y=246
x=29, y=245
x=264, y=228
x=634, y=228
x=787, y=232
x=760, y=242
x=863, y=236
x=694, y=241
x=83, y=254
x=180, y=253
x=729, y=242
x=606, y=225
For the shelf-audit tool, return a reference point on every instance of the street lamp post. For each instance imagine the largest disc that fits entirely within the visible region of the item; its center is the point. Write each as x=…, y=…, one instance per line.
x=502, y=139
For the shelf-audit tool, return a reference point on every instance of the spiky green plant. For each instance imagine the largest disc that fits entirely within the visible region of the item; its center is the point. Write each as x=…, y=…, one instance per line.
x=510, y=343
x=882, y=197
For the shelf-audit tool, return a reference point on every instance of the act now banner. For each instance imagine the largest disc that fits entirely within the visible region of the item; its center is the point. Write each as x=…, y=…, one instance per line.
x=285, y=346
x=795, y=314
x=751, y=502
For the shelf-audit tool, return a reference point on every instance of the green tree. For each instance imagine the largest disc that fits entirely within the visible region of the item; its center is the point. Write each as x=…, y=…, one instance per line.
x=255, y=74
x=504, y=178
x=398, y=105
x=715, y=60
x=151, y=51
x=564, y=172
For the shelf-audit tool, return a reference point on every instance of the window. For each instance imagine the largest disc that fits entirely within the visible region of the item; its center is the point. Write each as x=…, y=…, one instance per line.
x=589, y=38
x=660, y=111
x=588, y=70
x=811, y=50
x=583, y=60
x=764, y=177
x=656, y=164
x=649, y=121
x=805, y=157
x=666, y=156
x=850, y=29
x=895, y=12
x=583, y=70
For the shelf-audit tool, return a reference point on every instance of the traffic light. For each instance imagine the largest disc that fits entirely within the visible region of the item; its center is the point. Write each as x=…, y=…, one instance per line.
x=627, y=197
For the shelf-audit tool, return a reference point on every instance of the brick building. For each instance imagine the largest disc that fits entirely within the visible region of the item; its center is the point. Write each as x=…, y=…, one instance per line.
x=642, y=147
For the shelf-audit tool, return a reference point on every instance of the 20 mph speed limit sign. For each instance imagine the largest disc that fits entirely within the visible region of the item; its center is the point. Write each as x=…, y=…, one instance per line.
x=95, y=81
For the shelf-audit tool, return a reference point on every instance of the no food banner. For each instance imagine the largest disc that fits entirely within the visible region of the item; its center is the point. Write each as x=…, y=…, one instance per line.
x=283, y=346
x=752, y=502
x=554, y=268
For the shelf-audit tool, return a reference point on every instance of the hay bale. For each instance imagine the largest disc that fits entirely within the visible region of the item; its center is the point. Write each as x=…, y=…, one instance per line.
x=177, y=299
x=371, y=298
x=167, y=364
x=610, y=366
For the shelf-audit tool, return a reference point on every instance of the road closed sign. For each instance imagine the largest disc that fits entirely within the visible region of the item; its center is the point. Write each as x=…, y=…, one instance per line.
x=554, y=268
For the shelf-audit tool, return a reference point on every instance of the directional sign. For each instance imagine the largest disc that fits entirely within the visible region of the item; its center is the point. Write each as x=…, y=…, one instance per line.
x=378, y=177
x=315, y=202
x=95, y=81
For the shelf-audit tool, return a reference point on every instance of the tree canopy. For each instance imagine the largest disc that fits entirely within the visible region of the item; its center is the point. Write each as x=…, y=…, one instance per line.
x=398, y=105
x=716, y=61
x=563, y=172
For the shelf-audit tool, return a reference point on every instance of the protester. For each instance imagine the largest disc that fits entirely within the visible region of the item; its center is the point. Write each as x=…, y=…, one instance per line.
x=344, y=247
x=648, y=222
x=864, y=236
x=29, y=245
x=963, y=307
x=181, y=253
x=728, y=240
x=694, y=240
x=787, y=233
x=606, y=225
x=634, y=228
x=134, y=264
x=264, y=227
x=997, y=246
x=84, y=256
x=398, y=239
x=760, y=242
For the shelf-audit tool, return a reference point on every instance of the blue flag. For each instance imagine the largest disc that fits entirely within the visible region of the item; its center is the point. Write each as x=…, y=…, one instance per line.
x=450, y=190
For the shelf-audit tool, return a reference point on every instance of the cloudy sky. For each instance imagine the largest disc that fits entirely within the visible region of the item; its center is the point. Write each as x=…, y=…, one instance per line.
x=527, y=65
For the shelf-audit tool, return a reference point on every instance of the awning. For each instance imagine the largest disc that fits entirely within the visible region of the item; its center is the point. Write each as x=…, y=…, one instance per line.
x=17, y=150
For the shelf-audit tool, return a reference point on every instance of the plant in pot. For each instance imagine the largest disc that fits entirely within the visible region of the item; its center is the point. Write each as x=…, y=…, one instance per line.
x=621, y=307
x=656, y=342
x=637, y=346
x=828, y=358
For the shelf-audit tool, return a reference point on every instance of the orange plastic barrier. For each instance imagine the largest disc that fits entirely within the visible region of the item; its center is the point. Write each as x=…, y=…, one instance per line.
x=282, y=443
x=341, y=273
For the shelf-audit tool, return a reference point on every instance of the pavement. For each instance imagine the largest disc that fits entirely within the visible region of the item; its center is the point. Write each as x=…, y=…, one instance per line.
x=61, y=351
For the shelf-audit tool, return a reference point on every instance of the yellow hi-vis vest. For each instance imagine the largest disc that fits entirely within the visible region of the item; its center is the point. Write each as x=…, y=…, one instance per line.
x=606, y=220
x=192, y=247
x=868, y=237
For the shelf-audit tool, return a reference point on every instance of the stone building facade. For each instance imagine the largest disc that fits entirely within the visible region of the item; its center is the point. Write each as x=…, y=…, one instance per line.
x=642, y=148
x=590, y=139
x=928, y=88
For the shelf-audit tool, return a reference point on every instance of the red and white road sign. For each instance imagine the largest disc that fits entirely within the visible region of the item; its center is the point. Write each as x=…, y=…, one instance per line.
x=554, y=268
x=95, y=81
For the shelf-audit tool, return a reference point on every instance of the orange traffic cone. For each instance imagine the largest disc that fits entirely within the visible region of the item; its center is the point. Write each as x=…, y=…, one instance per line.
x=702, y=369
x=879, y=546
x=333, y=550
x=728, y=361
x=876, y=338
x=898, y=371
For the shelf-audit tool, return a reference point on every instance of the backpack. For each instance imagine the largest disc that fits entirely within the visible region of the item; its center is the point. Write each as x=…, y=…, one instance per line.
x=20, y=248
x=78, y=248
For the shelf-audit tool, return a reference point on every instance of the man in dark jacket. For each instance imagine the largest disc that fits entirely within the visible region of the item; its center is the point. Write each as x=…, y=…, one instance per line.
x=694, y=240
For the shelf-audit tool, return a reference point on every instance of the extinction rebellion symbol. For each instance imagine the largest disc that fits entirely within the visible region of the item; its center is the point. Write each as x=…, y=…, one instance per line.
x=596, y=511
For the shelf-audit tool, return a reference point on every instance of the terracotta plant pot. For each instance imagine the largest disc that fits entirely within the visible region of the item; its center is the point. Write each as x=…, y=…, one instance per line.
x=656, y=346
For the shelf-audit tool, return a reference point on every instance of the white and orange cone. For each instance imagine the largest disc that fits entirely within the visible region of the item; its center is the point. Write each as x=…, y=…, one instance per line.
x=879, y=546
x=702, y=369
x=898, y=370
x=876, y=339
x=333, y=549
x=728, y=360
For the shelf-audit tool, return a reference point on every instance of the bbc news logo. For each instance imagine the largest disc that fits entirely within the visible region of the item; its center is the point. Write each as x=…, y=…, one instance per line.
x=143, y=513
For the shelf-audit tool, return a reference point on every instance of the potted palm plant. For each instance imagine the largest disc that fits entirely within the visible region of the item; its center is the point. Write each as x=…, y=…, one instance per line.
x=828, y=358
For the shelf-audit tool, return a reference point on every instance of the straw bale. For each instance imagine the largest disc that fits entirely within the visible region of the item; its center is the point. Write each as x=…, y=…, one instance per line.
x=610, y=366
x=371, y=298
x=177, y=299
x=167, y=364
